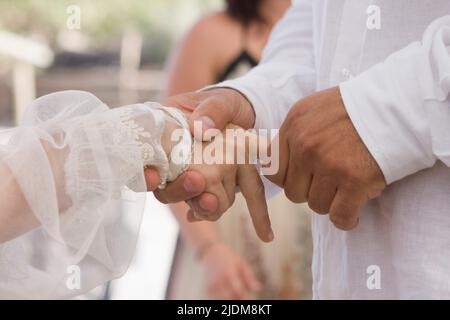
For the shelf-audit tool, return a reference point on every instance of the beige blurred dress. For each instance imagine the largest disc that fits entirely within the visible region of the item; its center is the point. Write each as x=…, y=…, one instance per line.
x=283, y=266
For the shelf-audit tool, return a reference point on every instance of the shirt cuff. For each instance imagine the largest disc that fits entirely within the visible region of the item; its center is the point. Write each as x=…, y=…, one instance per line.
x=386, y=106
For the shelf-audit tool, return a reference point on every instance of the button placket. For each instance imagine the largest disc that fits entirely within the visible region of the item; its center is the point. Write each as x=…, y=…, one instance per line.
x=350, y=41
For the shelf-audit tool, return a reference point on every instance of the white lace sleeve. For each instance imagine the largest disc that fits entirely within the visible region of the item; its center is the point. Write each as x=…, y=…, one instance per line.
x=73, y=190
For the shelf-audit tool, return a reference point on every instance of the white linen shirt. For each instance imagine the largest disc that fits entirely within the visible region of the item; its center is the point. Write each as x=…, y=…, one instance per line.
x=394, y=77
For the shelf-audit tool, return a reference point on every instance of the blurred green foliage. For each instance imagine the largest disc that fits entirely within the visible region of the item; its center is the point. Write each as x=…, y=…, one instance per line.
x=104, y=20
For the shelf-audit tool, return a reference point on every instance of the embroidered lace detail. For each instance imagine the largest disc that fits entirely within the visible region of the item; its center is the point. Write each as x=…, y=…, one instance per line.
x=130, y=138
x=89, y=217
x=182, y=150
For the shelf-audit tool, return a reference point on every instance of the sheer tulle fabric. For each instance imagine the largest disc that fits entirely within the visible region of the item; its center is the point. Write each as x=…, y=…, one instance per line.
x=79, y=166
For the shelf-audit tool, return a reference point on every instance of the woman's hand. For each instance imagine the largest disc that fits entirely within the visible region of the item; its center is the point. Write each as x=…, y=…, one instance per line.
x=228, y=275
x=214, y=108
x=222, y=177
x=216, y=163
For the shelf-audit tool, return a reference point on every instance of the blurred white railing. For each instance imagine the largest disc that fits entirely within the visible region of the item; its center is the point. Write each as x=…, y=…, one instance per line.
x=23, y=55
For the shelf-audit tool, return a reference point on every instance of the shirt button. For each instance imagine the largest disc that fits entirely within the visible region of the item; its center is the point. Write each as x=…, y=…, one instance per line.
x=346, y=74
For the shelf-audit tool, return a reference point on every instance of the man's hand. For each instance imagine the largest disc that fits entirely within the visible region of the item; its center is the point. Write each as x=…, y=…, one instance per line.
x=215, y=108
x=324, y=161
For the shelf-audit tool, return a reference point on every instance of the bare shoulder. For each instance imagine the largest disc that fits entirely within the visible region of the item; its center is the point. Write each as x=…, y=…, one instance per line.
x=218, y=31
x=219, y=21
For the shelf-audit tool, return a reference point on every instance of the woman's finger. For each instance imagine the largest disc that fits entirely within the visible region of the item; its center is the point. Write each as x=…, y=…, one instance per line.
x=187, y=186
x=229, y=184
x=253, y=191
x=223, y=204
x=152, y=178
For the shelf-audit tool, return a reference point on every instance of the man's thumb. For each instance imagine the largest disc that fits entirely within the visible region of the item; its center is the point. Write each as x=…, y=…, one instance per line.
x=219, y=108
x=211, y=113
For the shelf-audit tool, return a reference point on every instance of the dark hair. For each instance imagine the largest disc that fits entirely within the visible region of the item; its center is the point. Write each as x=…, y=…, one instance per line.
x=245, y=11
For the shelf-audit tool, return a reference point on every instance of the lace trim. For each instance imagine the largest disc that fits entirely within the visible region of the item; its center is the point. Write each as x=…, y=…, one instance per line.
x=183, y=149
x=132, y=144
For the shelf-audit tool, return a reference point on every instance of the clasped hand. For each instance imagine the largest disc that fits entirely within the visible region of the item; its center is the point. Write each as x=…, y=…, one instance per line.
x=322, y=161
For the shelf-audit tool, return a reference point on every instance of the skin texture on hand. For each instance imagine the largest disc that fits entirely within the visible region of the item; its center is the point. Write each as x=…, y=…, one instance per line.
x=216, y=108
x=322, y=158
x=324, y=161
x=228, y=275
x=222, y=179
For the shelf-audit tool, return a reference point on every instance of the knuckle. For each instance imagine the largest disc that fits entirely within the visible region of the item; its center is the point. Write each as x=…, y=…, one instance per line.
x=305, y=145
x=335, y=169
x=318, y=206
x=292, y=195
x=352, y=179
x=347, y=177
x=331, y=167
x=342, y=222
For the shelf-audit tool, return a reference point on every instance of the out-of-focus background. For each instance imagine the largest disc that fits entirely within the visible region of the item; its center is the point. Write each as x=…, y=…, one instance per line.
x=115, y=49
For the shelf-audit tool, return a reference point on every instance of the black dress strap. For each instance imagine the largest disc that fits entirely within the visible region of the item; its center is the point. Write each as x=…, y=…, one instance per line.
x=244, y=57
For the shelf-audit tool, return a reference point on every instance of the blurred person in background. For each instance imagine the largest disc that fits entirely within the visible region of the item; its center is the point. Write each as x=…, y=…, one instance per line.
x=225, y=259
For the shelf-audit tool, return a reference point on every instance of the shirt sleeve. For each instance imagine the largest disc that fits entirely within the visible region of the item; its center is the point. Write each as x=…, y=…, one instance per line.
x=287, y=70
x=401, y=107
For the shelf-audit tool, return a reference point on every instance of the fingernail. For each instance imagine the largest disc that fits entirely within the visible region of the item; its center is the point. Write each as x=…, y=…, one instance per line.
x=206, y=124
x=203, y=205
x=189, y=186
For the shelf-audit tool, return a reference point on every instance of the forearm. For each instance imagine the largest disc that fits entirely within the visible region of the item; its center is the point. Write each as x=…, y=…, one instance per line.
x=15, y=214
